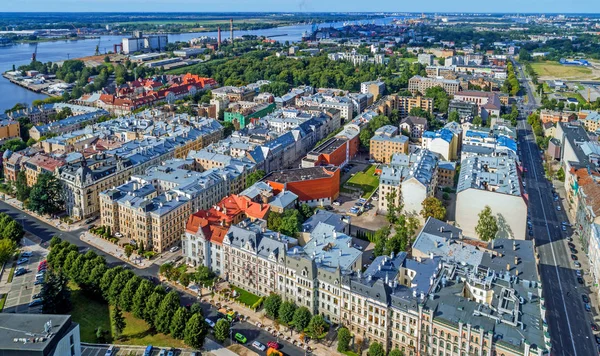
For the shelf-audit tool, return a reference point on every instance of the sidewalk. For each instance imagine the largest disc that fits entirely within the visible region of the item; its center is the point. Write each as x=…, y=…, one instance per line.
x=50, y=221
x=116, y=251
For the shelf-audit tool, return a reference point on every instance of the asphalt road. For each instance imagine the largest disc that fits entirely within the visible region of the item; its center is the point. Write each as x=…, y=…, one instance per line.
x=569, y=322
x=45, y=232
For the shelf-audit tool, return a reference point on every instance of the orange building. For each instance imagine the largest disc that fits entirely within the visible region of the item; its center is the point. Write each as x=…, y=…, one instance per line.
x=313, y=185
x=233, y=209
x=336, y=151
x=557, y=116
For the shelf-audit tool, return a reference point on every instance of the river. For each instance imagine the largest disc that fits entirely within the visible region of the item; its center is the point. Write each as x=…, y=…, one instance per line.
x=20, y=54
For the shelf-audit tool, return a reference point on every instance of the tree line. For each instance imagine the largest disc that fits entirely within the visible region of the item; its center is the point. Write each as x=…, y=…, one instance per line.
x=122, y=289
x=11, y=233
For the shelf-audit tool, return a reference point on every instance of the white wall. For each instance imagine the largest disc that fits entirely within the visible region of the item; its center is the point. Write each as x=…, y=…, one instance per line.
x=413, y=194
x=470, y=202
x=64, y=345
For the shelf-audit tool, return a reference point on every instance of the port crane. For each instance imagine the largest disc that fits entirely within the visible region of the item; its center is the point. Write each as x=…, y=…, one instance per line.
x=34, y=54
x=97, y=53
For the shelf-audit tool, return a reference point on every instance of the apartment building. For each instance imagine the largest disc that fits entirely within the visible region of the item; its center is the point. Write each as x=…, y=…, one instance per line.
x=403, y=104
x=387, y=141
x=240, y=113
x=38, y=164
x=9, y=129
x=71, y=123
x=558, y=116
x=445, y=174
x=488, y=103
x=425, y=59
x=411, y=178
x=445, y=142
x=415, y=126
x=418, y=84
x=590, y=119
x=375, y=88
x=492, y=181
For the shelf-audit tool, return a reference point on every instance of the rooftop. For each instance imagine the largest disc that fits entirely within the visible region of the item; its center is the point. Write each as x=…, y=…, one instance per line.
x=300, y=174
x=28, y=332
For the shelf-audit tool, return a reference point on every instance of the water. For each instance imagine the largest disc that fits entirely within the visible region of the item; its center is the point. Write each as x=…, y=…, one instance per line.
x=20, y=54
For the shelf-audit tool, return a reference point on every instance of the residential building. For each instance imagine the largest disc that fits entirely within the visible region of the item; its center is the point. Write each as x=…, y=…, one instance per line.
x=376, y=88
x=446, y=142
x=492, y=181
x=559, y=116
x=446, y=171
x=240, y=113
x=140, y=43
x=386, y=142
x=590, y=120
x=488, y=103
x=315, y=186
x=340, y=223
x=410, y=179
x=40, y=163
x=418, y=84
x=414, y=125
x=425, y=59
x=337, y=151
x=465, y=109
x=403, y=104
x=39, y=335
x=9, y=128
x=71, y=123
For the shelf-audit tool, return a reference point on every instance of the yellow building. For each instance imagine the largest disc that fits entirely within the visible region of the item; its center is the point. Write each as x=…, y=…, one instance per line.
x=9, y=129
x=404, y=104
x=386, y=142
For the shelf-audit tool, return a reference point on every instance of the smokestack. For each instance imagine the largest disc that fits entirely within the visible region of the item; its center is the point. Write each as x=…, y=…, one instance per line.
x=231, y=29
x=219, y=37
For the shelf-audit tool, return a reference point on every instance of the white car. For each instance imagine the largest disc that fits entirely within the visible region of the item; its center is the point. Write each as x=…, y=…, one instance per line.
x=210, y=322
x=558, y=208
x=336, y=203
x=118, y=234
x=259, y=346
x=174, y=248
x=27, y=254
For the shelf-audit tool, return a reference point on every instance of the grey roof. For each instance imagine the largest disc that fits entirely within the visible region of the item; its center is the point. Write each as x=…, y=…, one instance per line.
x=420, y=165
x=485, y=172
x=331, y=249
x=252, y=236
x=15, y=328
x=283, y=199
x=575, y=135
x=338, y=222
x=506, y=250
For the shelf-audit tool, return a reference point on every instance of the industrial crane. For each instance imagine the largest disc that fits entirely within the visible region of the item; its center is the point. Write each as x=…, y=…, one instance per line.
x=34, y=54
x=98, y=47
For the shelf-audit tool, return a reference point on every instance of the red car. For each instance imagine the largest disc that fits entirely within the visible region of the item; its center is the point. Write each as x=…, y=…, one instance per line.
x=273, y=345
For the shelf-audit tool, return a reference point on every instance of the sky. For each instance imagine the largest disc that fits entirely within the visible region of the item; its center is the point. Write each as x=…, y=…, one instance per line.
x=513, y=6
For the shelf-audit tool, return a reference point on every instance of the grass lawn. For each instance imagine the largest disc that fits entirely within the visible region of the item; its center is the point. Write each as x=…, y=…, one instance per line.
x=365, y=180
x=90, y=314
x=246, y=297
x=2, y=301
x=11, y=274
x=350, y=353
x=559, y=71
x=577, y=96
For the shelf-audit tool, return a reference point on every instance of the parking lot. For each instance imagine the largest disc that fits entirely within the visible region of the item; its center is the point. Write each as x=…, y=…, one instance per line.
x=126, y=351
x=22, y=288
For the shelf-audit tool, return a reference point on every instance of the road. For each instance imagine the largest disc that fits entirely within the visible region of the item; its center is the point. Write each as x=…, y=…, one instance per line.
x=569, y=322
x=45, y=232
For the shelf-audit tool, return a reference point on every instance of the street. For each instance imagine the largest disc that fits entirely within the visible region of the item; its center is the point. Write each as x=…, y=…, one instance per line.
x=45, y=232
x=569, y=322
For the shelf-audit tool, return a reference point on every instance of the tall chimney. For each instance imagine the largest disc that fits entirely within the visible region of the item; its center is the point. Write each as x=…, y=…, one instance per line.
x=219, y=37
x=231, y=29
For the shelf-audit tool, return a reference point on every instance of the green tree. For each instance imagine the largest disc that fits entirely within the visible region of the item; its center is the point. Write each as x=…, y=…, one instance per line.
x=317, y=327
x=185, y=279
x=380, y=238
x=107, y=279
x=142, y=294
x=118, y=285
x=46, y=195
x=76, y=269
x=21, y=185
x=93, y=281
x=441, y=99
x=152, y=306
x=376, y=349
x=141, y=248
x=13, y=231
x=69, y=260
x=128, y=293
x=166, y=310
x=344, y=338
x=118, y=321
x=14, y=144
x=392, y=208
x=487, y=226
x=196, y=308
x=56, y=295
x=453, y=117
x=271, y=305
x=128, y=251
x=195, y=332
x=396, y=352
x=433, y=207
x=222, y=330
x=286, y=312
x=301, y=318
x=307, y=211
x=180, y=318
x=8, y=248
x=560, y=174
x=254, y=177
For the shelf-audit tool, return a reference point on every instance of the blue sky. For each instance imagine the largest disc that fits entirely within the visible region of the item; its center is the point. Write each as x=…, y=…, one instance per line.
x=582, y=6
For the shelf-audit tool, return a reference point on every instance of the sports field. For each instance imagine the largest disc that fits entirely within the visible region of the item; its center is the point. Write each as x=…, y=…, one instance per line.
x=554, y=70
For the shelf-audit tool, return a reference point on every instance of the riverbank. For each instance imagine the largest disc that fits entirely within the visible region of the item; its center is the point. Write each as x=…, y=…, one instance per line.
x=42, y=88
x=52, y=39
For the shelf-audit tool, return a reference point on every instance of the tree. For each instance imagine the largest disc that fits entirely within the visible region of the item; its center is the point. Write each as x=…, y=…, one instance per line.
x=76, y=268
x=196, y=308
x=286, y=312
x=301, y=318
x=453, y=117
x=380, y=237
x=22, y=188
x=222, y=330
x=142, y=294
x=46, y=195
x=8, y=248
x=396, y=352
x=56, y=295
x=317, y=327
x=180, y=318
x=93, y=281
x=15, y=144
x=13, y=231
x=152, y=306
x=344, y=338
x=271, y=305
x=560, y=174
x=195, y=332
x=107, y=280
x=376, y=349
x=118, y=321
x=141, y=248
x=166, y=310
x=254, y=177
x=433, y=207
x=477, y=121
x=128, y=293
x=228, y=129
x=392, y=207
x=118, y=285
x=307, y=211
x=184, y=279
x=441, y=99
x=128, y=251
x=487, y=226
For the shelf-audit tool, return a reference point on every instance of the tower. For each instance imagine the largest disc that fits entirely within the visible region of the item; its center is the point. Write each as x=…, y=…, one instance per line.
x=219, y=37
x=231, y=29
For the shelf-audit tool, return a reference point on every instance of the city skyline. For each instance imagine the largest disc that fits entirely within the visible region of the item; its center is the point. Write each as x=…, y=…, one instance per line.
x=470, y=6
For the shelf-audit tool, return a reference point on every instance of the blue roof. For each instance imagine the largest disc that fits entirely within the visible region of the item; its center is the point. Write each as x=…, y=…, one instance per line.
x=508, y=143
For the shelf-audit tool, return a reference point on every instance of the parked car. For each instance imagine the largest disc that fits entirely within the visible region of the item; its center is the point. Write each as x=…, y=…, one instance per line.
x=574, y=257
x=564, y=228
x=162, y=352
x=585, y=298
x=27, y=254
x=578, y=273
x=273, y=344
x=336, y=203
x=36, y=296
x=257, y=345
x=358, y=247
x=573, y=250
x=22, y=260
x=594, y=326
x=174, y=248
x=210, y=322
x=148, y=351
x=36, y=302
x=571, y=245
x=577, y=264
x=580, y=280
x=171, y=352
x=241, y=338
x=110, y=351
x=38, y=281
x=558, y=208
x=20, y=271
x=597, y=339
x=588, y=307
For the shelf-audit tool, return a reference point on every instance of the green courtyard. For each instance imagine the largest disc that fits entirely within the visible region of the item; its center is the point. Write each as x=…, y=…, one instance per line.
x=365, y=180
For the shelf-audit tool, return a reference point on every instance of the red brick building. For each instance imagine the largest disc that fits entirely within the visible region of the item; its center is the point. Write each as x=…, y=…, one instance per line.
x=314, y=185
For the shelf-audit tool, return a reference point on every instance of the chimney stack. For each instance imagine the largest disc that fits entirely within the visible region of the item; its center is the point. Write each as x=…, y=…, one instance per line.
x=231, y=29
x=219, y=37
